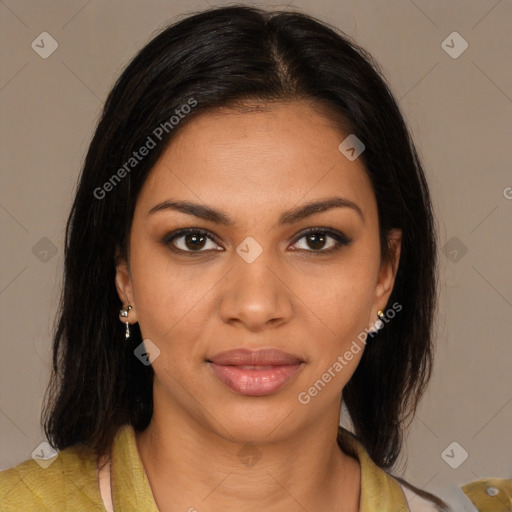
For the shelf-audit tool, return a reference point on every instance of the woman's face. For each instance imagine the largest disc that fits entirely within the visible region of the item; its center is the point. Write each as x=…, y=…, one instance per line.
x=252, y=278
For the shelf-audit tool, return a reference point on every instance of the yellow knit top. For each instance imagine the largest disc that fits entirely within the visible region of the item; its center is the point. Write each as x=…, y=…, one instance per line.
x=70, y=482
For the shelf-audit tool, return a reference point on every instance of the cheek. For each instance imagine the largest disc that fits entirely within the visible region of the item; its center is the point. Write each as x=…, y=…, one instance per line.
x=342, y=300
x=339, y=343
x=171, y=303
x=336, y=345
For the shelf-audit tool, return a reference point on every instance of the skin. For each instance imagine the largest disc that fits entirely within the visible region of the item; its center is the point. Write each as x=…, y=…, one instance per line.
x=253, y=165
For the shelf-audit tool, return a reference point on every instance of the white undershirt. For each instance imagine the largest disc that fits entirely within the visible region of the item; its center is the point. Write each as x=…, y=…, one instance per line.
x=104, y=484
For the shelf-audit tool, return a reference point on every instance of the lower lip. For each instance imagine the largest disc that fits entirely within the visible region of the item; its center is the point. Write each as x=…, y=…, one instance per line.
x=255, y=382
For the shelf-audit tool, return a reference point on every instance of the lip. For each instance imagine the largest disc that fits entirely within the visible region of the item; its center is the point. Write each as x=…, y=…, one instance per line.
x=246, y=357
x=255, y=373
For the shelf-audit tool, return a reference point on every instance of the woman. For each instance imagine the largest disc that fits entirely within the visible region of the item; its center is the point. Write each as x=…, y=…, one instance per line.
x=251, y=240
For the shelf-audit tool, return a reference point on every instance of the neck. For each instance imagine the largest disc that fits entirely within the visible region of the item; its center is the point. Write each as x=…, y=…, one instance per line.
x=191, y=467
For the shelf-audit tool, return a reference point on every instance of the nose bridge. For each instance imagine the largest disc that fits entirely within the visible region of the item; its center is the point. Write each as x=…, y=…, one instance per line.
x=255, y=294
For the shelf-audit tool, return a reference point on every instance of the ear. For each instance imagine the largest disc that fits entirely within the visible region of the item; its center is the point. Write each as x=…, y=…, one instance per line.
x=387, y=272
x=124, y=289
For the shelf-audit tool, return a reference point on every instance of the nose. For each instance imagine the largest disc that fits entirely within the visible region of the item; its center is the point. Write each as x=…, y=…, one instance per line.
x=256, y=295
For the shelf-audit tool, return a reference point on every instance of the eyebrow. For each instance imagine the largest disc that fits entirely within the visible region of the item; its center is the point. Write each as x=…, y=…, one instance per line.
x=289, y=217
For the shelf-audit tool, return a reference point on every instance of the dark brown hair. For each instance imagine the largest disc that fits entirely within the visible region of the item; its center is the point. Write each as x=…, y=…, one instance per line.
x=223, y=57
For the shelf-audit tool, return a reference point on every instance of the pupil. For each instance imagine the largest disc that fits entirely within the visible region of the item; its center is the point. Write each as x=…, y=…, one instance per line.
x=195, y=238
x=320, y=239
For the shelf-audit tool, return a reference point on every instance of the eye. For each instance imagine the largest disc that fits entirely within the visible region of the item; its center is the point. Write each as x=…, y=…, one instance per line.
x=195, y=240
x=190, y=240
x=317, y=238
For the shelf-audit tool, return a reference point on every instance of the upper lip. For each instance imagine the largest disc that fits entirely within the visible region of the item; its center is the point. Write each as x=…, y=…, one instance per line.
x=246, y=357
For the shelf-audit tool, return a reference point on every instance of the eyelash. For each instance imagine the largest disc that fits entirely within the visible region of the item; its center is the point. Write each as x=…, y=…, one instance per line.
x=340, y=238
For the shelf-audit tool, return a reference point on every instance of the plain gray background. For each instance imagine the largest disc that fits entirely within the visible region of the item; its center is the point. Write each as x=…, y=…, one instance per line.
x=458, y=109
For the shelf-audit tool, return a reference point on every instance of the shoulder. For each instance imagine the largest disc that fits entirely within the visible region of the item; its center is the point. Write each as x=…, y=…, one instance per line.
x=381, y=490
x=67, y=480
x=419, y=500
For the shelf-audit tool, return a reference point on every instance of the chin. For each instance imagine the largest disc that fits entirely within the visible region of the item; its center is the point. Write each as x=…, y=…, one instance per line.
x=255, y=423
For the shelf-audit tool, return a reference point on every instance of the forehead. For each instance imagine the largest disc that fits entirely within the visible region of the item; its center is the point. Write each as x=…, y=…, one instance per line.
x=275, y=154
